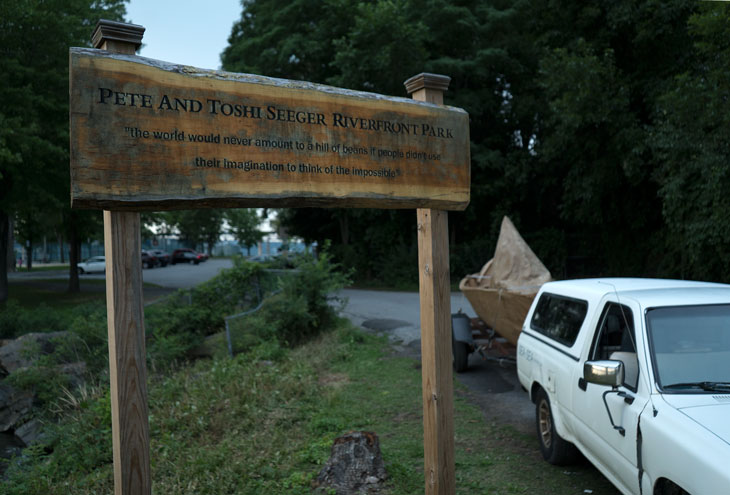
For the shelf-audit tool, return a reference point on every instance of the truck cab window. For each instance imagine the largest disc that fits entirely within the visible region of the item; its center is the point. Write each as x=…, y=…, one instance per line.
x=615, y=340
x=559, y=318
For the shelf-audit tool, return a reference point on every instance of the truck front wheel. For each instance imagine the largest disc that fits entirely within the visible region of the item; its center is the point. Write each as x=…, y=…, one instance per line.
x=553, y=447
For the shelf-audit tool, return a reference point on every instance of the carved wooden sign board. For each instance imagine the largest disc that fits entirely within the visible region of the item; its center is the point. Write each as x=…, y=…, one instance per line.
x=149, y=135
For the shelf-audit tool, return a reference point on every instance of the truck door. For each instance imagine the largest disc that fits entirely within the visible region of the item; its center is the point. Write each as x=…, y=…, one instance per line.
x=614, y=339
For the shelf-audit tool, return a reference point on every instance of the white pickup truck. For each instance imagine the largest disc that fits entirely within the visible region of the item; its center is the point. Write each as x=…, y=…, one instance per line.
x=635, y=373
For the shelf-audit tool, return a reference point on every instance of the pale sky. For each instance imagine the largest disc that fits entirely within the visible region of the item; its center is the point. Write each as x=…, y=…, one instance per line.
x=189, y=32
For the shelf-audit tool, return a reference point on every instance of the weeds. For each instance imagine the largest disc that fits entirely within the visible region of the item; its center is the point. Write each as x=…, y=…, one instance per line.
x=17, y=320
x=264, y=421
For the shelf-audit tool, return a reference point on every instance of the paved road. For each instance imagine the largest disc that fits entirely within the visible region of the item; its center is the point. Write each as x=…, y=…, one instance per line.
x=493, y=386
x=185, y=276
x=171, y=277
x=397, y=313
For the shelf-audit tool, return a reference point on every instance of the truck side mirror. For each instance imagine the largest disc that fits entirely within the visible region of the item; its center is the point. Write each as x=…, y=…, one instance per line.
x=609, y=373
x=604, y=372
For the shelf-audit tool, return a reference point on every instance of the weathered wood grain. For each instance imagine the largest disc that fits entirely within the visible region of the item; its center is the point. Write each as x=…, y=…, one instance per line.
x=125, y=318
x=436, y=370
x=136, y=125
x=436, y=353
x=127, y=357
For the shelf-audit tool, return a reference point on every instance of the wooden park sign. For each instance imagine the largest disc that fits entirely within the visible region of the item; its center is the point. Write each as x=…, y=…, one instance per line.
x=149, y=135
x=153, y=135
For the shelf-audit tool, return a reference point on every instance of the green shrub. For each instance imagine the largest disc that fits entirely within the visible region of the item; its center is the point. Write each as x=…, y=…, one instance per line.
x=238, y=287
x=42, y=379
x=303, y=307
x=166, y=350
x=180, y=323
x=282, y=318
x=87, y=339
x=316, y=280
x=16, y=320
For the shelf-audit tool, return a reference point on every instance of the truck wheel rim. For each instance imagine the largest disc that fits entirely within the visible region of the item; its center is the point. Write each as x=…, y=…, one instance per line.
x=546, y=424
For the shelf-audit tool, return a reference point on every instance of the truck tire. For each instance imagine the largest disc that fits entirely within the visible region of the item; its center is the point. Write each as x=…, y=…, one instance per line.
x=461, y=355
x=553, y=447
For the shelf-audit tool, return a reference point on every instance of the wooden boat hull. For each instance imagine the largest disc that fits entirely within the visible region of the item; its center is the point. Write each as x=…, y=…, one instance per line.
x=501, y=309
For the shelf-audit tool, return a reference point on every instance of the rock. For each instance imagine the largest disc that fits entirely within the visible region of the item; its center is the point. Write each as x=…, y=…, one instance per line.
x=15, y=354
x=355, y=465
x=10, y=446
x=75, y=373
x=29, y=432
x=15, y=406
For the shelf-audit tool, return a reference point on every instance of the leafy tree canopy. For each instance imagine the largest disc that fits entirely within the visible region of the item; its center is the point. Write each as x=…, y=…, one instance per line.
x=35, y=36
x=244, y=224
x=196, y=227
x=600, y=128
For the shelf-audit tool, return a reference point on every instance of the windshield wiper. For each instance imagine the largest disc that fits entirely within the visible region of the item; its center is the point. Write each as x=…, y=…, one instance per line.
x=707, y=386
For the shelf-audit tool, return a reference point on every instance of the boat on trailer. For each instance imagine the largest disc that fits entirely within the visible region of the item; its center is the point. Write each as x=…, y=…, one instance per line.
x=501, y=294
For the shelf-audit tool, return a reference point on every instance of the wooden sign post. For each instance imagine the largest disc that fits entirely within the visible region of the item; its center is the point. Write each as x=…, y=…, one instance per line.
x=125, y=317
x=150, y=135
x=435, y=293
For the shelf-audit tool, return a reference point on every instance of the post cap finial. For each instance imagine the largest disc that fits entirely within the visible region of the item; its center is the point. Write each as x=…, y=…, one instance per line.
x=123, y=32
x=427, y=80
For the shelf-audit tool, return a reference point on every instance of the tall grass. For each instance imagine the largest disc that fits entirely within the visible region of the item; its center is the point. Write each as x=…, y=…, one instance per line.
x=263, y=421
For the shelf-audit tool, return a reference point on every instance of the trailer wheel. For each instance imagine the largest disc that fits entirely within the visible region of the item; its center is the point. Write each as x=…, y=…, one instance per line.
x=461, y=355
x=553, y=447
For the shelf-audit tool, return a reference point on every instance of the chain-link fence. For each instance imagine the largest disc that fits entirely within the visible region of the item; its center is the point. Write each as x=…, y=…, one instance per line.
x=248, y=298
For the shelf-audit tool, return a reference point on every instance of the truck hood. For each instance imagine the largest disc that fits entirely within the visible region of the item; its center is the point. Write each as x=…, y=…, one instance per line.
x=707, y=410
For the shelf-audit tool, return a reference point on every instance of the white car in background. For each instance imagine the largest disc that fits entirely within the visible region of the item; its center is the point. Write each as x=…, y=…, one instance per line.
x=92, y=265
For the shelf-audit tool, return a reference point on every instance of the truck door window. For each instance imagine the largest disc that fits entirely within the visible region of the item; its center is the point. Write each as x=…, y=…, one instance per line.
x=559, y=317
x=615, y=340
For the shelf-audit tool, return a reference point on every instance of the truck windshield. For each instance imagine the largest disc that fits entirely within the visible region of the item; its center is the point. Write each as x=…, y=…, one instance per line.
x=690, y=345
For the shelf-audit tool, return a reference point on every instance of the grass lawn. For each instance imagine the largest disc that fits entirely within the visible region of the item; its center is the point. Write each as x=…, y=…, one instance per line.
x=263, y=423
x=53, y=293
x=43, y=268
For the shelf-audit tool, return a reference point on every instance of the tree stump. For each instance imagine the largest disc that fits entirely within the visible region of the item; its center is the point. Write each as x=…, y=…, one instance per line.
x=355, y=465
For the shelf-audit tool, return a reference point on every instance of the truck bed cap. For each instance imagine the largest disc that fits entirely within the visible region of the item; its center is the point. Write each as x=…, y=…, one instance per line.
x=648, y=291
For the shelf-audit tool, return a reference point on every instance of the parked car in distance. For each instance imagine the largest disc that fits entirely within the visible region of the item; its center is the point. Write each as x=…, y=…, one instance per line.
x=186, y=255
x=162, y=256
x=635, y=373
x=149, y=260
x=92, y=265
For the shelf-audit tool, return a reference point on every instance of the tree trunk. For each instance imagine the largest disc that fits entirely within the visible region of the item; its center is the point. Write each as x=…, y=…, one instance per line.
x=61, y=254
x=4, y=238
x=452, y=234
x=10, y=249
x=74, y=248
x=29, y=254
x=344, y=220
